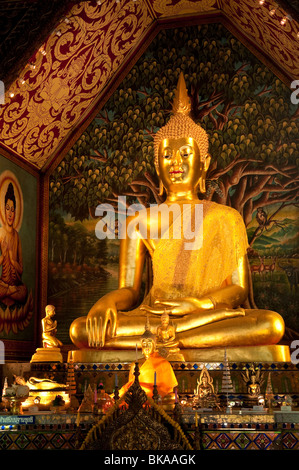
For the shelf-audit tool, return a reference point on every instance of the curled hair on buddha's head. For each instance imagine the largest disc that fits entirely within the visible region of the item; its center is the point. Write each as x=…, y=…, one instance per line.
x=10, y=195
x=180, y=124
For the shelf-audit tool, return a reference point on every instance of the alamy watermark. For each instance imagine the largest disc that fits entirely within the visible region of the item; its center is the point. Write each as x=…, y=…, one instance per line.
x=2, y=353
x=2, y=92
x=175, y=222
x=295, y=94
x=295, y=353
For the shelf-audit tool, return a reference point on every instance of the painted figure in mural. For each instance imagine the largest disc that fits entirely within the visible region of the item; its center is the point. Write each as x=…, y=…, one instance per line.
x=12, y=289
x=50, y=329
x=203, y=286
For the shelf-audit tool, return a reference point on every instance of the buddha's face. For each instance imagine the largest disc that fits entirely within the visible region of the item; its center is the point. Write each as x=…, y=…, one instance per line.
x=9, y=212
x=148, y=347
x=179, y=164
x=253, y=389
x=50, y=311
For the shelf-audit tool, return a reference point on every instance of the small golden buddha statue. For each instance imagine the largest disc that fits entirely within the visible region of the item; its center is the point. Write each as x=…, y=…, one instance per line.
x=167, y=344
x=202, y=282
x=205, y=385
x=50, y=352
x=205, y=393
x=254, y=380
x=50, y=329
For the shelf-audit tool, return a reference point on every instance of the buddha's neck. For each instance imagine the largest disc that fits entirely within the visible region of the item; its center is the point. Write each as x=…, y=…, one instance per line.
x=182, y=197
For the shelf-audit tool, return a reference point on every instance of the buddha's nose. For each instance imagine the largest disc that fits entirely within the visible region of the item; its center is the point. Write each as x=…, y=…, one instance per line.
x=177, y=160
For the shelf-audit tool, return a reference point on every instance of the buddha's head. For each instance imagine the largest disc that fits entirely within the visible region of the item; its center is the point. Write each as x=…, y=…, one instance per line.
x=10, y=205
x=148, y=341
x=164, y=319
x=50, y=310
x=181, y=148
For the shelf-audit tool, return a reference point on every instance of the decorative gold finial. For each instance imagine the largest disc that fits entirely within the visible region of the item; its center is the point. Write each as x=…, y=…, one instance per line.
x=181, y=124
x=181, y=102
x=147, y=330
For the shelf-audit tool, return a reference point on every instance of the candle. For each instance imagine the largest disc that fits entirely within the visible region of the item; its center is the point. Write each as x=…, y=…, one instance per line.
x=155, y=378
x=78, y=419
x=136, y=353
x=95, y=395
x=176, y=395
x=116, y=380
x=196, y=420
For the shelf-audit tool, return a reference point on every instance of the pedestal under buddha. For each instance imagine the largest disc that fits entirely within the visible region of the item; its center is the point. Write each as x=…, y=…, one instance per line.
x=200, y=265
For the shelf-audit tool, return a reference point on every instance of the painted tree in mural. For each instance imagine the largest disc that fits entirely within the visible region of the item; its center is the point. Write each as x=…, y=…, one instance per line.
x=75, y=254
x=245, y=109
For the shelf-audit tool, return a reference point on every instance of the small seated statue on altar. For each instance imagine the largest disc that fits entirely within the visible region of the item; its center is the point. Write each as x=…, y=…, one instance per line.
x=205, y=396
x=50, y=352
x=254, y=380
x=200, y=275
x=167, y=344
x=153, y=370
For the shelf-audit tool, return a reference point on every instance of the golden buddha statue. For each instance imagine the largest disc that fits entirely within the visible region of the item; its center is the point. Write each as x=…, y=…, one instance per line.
x=167, y=344
x=254, y=380
x=205, y=385
x=50, y=352
x=50, y=329
x=205, y=396
x=202, y=282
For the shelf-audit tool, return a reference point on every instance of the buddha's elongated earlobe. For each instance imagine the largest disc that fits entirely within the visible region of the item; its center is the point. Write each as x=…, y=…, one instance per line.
x=202, y=179
x=202, y=185
x=161, y=188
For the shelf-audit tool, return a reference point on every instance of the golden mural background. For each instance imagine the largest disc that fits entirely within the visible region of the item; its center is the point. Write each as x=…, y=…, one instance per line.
x=61, y=85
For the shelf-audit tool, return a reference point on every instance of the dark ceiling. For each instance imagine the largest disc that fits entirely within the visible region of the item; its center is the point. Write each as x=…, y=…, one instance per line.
x=25, y=24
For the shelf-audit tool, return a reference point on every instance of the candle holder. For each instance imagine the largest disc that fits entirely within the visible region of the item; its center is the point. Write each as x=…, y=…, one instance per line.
x=197, y=438
x=155, y=393
x=177, y=412
x=116, y=393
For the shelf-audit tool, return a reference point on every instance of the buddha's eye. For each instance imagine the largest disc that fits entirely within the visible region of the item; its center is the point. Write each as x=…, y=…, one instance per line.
x=185, y=151
x=167, y=153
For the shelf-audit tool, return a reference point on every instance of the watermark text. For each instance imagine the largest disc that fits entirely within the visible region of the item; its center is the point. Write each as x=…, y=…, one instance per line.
x=155, y=222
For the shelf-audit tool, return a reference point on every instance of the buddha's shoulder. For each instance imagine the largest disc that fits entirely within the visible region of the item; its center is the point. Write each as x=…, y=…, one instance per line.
x=213, y=208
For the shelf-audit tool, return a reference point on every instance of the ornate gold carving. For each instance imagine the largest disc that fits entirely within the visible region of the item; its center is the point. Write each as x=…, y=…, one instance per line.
x=167, y=8
x=50, y=98
x=279, y=42
x=136, y=427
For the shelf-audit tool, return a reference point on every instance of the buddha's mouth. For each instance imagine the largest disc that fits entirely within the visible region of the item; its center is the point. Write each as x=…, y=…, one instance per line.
x=176, y=172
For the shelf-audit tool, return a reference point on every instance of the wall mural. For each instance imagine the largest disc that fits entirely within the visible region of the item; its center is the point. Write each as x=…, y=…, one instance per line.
x=18, y=194
x=253, y=132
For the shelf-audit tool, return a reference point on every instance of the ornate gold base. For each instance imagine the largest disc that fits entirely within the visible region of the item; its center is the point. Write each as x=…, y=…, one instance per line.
x=273, y=353
x=104, y=356
x=47, y=355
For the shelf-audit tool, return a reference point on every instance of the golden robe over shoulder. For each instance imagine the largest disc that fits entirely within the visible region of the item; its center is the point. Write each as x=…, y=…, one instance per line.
x=179, y=272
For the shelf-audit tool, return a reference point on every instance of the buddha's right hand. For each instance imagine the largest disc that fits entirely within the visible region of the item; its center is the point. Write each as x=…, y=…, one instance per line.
x=97, y=321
